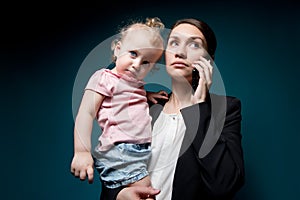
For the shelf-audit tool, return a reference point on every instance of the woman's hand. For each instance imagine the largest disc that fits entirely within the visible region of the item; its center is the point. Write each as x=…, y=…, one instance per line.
x=137, y=193
x=205, y=69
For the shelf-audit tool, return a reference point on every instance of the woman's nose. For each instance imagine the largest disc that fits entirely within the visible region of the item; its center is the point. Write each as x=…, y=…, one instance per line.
x=180, y=52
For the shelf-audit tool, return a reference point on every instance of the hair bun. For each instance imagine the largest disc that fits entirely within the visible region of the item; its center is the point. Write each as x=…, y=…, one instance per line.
x=154, y=22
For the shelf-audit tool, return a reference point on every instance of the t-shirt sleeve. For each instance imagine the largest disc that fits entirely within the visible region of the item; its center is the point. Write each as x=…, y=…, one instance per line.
x=101, y=82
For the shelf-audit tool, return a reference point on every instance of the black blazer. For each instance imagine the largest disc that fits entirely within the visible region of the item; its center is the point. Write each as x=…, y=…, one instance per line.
x=211, y=164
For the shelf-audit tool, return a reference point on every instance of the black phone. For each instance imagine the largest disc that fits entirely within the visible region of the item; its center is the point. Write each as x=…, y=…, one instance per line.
x=195, y=78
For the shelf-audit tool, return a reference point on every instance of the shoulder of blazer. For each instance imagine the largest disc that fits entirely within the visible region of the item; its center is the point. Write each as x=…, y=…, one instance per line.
x=230, y=100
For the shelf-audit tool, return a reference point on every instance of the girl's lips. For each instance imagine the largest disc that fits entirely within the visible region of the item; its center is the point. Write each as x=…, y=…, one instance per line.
x=130, y=73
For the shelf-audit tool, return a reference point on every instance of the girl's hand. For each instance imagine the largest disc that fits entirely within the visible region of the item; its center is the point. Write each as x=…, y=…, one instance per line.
x=205, y=69
x=152, y=96
x=82, y=166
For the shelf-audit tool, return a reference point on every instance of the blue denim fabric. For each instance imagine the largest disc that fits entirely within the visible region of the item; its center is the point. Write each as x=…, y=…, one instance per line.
x=122, y=164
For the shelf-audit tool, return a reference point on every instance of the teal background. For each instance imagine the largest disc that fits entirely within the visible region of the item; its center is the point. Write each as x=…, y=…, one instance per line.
x=42, y=48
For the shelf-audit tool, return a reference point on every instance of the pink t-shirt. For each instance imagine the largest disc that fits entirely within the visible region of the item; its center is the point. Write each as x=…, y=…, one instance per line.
x=124, y=113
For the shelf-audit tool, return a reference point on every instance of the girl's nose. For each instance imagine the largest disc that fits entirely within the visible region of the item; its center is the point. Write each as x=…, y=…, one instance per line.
x=137, y=64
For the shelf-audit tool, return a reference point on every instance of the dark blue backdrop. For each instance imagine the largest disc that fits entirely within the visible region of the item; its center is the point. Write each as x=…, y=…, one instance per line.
x=43, y=47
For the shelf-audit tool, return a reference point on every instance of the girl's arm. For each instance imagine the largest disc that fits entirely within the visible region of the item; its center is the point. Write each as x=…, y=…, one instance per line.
x=82, y=163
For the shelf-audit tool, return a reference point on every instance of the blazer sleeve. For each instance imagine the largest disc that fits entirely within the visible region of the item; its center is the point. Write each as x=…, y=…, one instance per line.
x=222, y=169
x=109, y=194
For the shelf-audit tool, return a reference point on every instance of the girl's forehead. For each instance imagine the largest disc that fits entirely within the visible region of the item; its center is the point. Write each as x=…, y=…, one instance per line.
x=141, y=39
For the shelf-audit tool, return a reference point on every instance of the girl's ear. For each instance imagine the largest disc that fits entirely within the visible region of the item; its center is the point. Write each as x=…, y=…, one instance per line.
x=117, y=49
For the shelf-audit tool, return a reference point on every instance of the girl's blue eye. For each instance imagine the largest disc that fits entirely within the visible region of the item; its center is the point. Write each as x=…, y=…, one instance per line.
x=133, y=53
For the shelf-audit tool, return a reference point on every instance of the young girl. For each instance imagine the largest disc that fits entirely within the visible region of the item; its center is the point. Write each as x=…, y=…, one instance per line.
x=118, y=100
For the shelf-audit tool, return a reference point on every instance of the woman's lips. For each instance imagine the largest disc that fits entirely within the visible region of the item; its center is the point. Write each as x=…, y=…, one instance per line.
x=179, y=64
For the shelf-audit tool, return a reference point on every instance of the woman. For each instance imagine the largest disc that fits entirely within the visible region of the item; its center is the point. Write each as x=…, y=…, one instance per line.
x=196, y=143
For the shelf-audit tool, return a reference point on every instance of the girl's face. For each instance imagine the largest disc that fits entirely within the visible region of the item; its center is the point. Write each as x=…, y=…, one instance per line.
x=186, y=44
x=136, y=55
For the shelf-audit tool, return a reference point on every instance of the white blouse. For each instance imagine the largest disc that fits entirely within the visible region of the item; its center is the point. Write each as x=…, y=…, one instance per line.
x=167, y=137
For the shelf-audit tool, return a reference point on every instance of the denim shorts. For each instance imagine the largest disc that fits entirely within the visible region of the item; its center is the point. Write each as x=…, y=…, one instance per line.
x=122, y=164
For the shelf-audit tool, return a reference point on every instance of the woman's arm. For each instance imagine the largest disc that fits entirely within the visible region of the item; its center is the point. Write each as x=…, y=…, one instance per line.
x=222, y=169
x=224, y=165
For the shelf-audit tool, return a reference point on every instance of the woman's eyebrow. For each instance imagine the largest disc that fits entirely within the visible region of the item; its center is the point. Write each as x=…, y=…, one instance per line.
x=173, y=37
x=190, y=38
x=197, y=37
x=203, y=41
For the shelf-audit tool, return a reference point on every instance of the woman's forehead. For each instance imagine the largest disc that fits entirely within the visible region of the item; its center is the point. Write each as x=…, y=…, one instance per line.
x=186, y=30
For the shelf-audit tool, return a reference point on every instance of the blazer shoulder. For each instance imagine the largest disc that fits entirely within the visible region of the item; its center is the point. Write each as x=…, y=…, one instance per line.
x=231, y=101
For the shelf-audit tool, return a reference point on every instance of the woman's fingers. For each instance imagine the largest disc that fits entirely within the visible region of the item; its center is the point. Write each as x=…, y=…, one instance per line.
x=207, y=70
x=207, y=73
x=147, y=192
x=153, y=96
x=164, y=94
x=137, y=193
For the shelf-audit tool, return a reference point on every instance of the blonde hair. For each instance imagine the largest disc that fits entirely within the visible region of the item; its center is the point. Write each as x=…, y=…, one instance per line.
x=153, y=25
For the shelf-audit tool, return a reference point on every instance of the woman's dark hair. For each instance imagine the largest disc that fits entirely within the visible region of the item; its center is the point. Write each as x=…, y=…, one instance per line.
x=208, y=33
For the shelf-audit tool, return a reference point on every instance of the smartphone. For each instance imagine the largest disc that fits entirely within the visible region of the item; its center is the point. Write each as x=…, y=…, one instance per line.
x=195, y=78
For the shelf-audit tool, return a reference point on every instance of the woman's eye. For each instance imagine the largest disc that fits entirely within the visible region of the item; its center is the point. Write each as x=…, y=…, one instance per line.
x=173, y=43
x=133, y=53
x=195, y=45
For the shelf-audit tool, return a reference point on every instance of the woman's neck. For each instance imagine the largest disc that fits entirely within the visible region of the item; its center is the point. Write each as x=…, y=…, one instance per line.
x=181, y=97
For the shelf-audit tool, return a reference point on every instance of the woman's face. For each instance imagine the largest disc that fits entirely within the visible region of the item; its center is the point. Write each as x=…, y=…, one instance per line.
x=186, y=44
